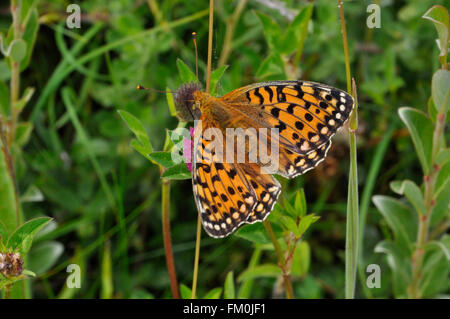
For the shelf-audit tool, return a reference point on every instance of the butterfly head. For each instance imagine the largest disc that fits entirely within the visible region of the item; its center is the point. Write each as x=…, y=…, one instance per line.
x=186, y=104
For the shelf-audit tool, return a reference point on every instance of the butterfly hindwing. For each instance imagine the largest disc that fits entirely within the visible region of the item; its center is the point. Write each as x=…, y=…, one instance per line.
x=223, y=195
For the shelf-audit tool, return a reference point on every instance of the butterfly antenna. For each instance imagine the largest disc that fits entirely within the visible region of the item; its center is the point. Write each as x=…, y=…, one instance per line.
x=140, y=87
x=194, y=38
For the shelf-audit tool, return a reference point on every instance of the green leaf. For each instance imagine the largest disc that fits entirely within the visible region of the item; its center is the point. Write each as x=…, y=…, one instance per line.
x=400, y=264
x=254, y=233
x=32, y=194
x=439, y=16
x=442, y=179
x=22, y=237
x=140, y=148
x=421, y=130
x=216, y=75
x=162, y=158
x=272, y=31
x=443, y=157
x=107, y=286
x=213, y=293
x=186, y=75
x=291, y=224
x=4, y=99
x=18, y=50
x=412, y=192
x=185, y=291
x=23, y=133
x=435, y=268
x=301, y=259
x=296, y=31
x=440, y=90
x=304, y=224
x=137, y=128
x=171, y=102
x=229, y=291
x=440, y=208
x=20, y=104
x=179, y=171
x=3, y=234
x=272, y=65
x=265, y=270
x=300, y=203
x=399, y=218
x=44, y=255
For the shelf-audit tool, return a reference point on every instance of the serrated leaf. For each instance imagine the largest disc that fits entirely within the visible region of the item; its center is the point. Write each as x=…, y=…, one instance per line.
x=136, y=127
x=260, y=271
x=22, y=237
x=421, y=130
x=229, y=291
x=186, y=75
x=178, y=172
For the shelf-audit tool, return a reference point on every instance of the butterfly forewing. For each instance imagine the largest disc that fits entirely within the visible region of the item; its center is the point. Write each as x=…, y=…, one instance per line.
x=307, y=114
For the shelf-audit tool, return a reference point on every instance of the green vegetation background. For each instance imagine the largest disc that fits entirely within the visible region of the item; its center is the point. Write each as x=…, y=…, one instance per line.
x=77, y=165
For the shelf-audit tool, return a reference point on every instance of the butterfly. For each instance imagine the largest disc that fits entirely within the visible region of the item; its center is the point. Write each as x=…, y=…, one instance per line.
x=229, y=194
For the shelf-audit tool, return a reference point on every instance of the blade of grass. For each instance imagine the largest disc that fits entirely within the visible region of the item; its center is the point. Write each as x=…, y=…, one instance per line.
x=87, y=145
x=62, y=72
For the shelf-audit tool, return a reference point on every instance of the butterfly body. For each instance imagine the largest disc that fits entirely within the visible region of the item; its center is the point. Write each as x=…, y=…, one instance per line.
x=305, y=115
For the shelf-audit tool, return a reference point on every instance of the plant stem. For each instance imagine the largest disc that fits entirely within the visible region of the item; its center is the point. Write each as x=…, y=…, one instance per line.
x=210, y=39
x=15, y=73
x=351, y=245
x=424, y=220
x=167, y=238
x=197, y=257
x=208, y=80
x=281, y=260
x=231, y=26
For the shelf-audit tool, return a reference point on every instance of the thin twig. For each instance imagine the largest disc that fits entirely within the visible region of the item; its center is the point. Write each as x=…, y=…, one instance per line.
x=208, y=79
x=231, y=26
x=165, y=199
